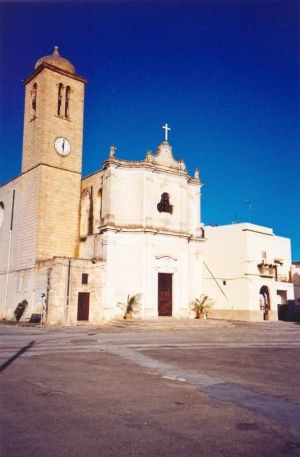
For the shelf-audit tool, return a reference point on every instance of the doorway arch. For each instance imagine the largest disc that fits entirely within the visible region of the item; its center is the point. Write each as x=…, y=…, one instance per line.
x=265, y=302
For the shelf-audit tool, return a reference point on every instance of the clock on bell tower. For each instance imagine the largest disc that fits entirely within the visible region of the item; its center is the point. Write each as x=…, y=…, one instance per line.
x=52, y=152
x=54, y=96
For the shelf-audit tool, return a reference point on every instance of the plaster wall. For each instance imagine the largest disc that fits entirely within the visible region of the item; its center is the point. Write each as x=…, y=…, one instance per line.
x=129, y=198
x=66, y=283
x=28, y=284
x=25, y=216
x=132, y=264
x=263, y=246
x=224, y=257
x=234, y=252
x=17, y=246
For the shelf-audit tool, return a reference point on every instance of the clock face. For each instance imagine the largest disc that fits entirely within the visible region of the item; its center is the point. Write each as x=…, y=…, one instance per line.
x=62, y=146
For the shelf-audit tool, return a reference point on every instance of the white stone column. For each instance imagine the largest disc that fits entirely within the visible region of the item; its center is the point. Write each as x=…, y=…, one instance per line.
x=149, y=299
x=183, y=206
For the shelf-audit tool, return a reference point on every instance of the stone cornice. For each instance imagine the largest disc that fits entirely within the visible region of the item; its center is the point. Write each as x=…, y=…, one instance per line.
x=36, y=166
x=53, y=68
x=112, y=228
x=112, y=162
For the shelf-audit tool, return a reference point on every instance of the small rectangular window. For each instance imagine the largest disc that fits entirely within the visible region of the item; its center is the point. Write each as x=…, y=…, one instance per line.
x=84, y=278
x=264, y=254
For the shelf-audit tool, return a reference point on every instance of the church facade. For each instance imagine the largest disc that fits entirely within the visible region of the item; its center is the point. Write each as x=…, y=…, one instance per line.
x=74, y=248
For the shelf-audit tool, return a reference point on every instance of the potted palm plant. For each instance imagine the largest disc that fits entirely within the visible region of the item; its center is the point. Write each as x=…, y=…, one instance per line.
x=132, y=306
x=201, y=305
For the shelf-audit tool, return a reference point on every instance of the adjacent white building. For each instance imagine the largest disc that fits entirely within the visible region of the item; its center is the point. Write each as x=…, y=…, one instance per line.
x=247, y=271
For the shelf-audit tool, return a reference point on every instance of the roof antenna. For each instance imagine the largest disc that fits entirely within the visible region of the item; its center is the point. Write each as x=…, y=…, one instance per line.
x=249, y=204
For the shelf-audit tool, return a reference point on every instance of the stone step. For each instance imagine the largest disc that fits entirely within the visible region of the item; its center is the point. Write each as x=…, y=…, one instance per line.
x=165, y=323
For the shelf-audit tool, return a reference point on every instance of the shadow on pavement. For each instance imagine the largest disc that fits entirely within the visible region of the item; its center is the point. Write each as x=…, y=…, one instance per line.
x=14, y=357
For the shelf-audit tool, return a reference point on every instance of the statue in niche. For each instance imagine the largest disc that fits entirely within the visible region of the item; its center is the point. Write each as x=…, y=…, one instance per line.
x=149, y=156
x=181, y=165
x=112, y=151
x=164, y=205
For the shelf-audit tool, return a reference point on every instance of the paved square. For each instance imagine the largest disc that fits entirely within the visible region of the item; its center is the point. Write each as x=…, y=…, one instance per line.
x=208, y=391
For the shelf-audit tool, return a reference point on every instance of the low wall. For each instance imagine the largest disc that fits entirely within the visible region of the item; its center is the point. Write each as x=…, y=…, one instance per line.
x=241, y=315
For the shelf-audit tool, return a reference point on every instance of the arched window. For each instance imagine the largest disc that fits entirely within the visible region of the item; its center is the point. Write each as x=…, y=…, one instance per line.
x=164, y=206
x=33, y=94
x=60, y=98
x=86, y=214
x=100, y=204
x=91, y=214
x=67, y=101
x=1, y=213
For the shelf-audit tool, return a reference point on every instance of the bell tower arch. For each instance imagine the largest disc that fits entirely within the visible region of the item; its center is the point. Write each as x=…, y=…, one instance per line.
x=54, y=97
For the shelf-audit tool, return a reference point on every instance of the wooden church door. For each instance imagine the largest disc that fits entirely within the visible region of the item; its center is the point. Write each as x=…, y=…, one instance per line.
x=83, y=306
x=164, y=294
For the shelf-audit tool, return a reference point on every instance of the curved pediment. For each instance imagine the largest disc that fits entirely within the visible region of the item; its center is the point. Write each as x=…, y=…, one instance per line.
x=166, y=264
x=164, y=157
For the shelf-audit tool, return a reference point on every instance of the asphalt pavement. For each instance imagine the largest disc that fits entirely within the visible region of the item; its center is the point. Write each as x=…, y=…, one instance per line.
x=225, y=390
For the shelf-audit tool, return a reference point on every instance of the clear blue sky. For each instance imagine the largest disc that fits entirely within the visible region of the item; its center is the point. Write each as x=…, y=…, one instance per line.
x=223, y=74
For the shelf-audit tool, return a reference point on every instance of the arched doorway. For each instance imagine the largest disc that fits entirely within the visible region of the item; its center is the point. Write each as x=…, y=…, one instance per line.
x=264, y=301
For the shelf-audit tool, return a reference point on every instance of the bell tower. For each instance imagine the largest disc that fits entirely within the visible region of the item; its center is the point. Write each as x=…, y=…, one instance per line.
x=52, y=153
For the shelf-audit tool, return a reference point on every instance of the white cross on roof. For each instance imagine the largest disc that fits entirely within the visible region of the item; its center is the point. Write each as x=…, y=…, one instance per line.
x=166, y=128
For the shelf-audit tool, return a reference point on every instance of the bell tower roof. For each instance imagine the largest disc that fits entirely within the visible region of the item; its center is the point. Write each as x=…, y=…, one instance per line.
x=57, y=61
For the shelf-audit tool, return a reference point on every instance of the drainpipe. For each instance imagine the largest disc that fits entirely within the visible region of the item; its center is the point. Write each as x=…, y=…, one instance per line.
x=9, y=253
x=68, y=294
x=47, y=293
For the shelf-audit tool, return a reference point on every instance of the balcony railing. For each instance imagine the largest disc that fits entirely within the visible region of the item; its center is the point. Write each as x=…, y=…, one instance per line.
x=266, y=270
x=271, y=271
x=284, y=278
